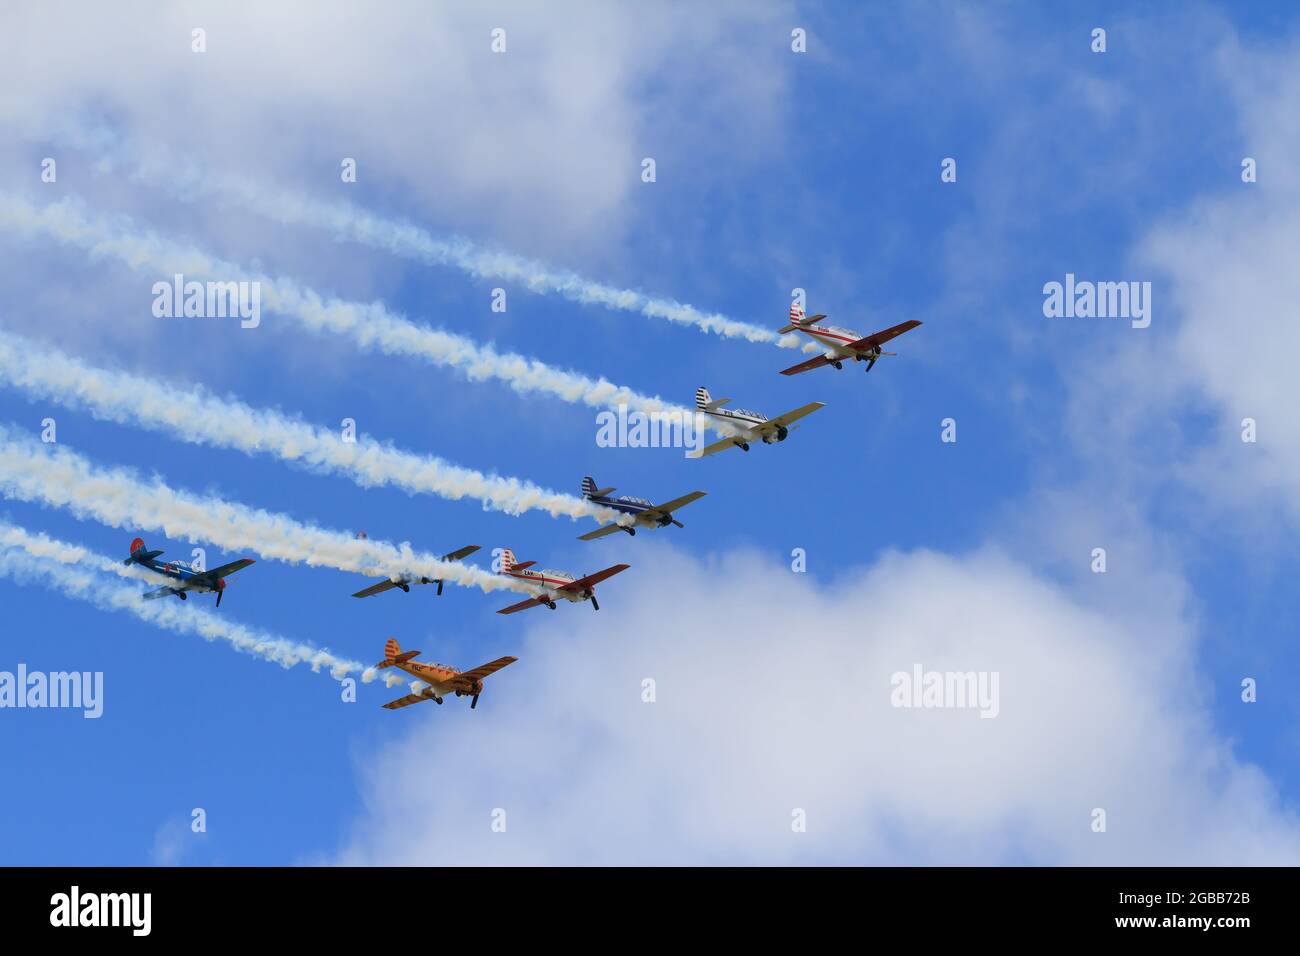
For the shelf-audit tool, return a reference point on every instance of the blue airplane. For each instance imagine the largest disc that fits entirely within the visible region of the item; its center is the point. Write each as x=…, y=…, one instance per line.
x=647, y=515
x=202, y=582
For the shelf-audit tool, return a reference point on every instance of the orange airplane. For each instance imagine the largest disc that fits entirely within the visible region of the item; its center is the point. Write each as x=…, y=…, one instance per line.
x=442, y=680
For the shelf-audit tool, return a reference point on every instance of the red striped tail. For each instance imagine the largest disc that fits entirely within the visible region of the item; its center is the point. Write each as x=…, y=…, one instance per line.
x=796, y=318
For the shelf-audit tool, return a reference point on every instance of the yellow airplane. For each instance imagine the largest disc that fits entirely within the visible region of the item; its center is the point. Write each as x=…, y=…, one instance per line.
x=442, y=680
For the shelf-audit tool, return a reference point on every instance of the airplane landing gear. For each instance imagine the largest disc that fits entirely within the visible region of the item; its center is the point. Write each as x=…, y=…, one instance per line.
x=838, y=365
x=744, y=446
x=551, y=605
x=437, y=700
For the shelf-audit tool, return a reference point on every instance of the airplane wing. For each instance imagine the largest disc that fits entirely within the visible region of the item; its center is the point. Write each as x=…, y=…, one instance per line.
x=469, y=678
x=593, y=579
x=379, y=588
x=462, y=553
x=668, y=507
x=406, y=701
x=600, y=532
x=522, y=605
x=716, y=447
x=880, y=338
x=789, y=417
x=230, y=568
x=807, y=366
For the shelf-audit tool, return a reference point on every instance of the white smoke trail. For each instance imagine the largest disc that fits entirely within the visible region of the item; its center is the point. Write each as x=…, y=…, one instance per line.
x=75, y=572
x=196, y=416
x=345, y=221
x=31, y=471
x=160, y=168
x=371, y=325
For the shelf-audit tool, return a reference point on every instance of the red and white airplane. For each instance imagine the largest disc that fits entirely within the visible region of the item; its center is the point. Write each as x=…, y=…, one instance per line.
x=551, y=585
x=843, y=344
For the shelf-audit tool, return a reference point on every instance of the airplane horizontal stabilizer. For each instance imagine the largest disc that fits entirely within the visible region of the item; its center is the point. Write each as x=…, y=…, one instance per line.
x=800, y=325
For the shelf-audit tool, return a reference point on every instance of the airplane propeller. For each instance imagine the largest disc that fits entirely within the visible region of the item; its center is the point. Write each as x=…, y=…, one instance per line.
x=678, y=523
x=473, y=702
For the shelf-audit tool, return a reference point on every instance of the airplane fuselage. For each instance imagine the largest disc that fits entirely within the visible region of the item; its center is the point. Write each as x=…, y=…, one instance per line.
x=437, y=676
x=744, y=421
x=550, y=583
x=740, y=416
x=837, y=340
x=192, y=580
x=636, y=507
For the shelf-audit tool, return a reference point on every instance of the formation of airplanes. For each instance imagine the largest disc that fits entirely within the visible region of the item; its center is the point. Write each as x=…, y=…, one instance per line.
x=740, y=428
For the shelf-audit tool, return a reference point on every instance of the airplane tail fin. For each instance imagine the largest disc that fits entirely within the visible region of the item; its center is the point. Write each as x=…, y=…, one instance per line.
x=138, y=554
x=588, y=487
x=393, y=654
x=706, y=402
x=798, y=320
x=507, y=560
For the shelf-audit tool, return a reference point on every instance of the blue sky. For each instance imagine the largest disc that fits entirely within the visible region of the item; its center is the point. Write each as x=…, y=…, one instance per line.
x=775, y=171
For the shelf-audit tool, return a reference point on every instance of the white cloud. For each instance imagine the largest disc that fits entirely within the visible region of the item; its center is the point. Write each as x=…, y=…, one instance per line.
x=773, y=694
x=1168, y=403
x=541, y=143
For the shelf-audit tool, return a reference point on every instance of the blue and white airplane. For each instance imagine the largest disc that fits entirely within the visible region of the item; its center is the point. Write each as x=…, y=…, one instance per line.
x=747, y=426
x=647, y=515
x=202, y=582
